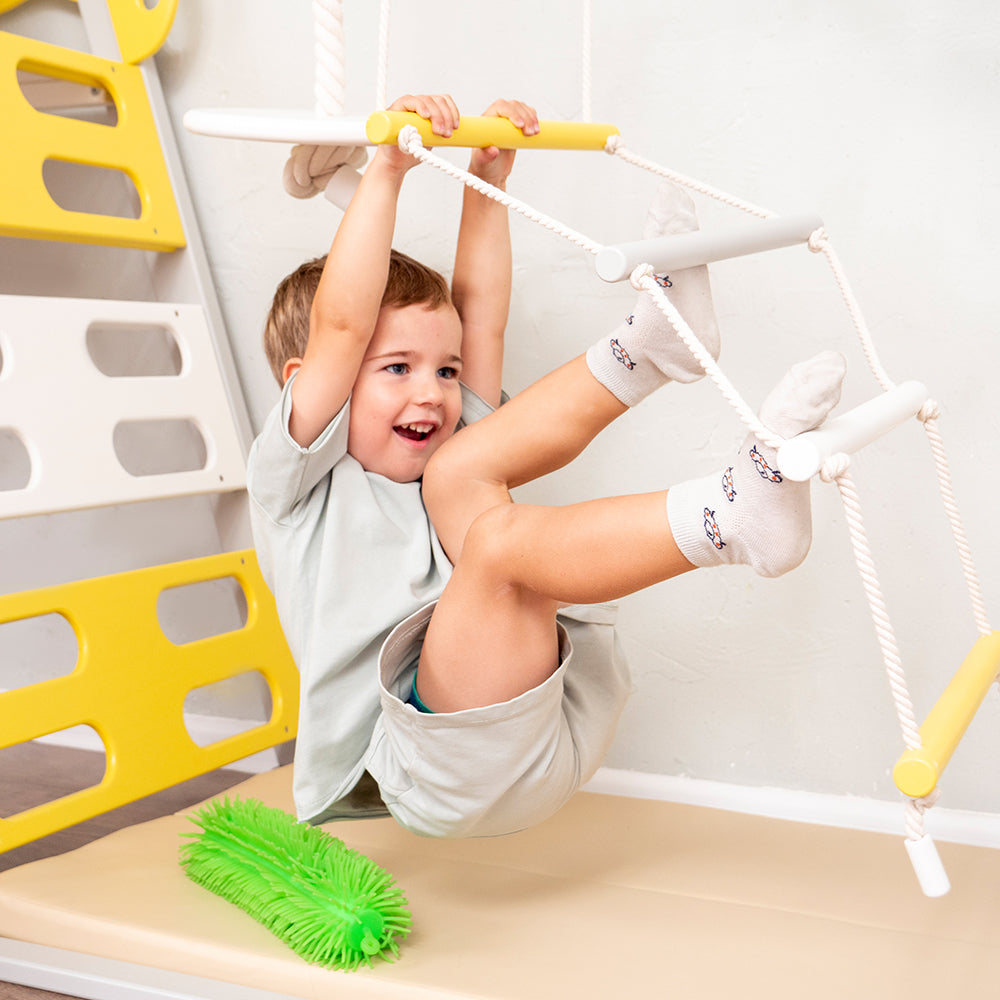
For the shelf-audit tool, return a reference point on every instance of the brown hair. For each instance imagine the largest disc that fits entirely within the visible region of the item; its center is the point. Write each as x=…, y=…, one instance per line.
x=286, y=331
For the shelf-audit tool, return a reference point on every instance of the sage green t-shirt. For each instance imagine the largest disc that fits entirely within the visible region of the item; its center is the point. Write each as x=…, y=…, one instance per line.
x=348, y=555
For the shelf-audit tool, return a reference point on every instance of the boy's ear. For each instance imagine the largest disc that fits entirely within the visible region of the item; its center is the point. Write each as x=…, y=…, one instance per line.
x=290, y=367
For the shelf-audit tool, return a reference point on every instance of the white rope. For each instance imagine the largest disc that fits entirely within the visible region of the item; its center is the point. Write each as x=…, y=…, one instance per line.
x=381, y=84
x=836, y=470
x=914, y=814
x=616, y=147
x=929, y=416
x=820, y=243
x=310, y=168
x=328, y=28
x=643, y=278
x=410, y=142
x=586, y=82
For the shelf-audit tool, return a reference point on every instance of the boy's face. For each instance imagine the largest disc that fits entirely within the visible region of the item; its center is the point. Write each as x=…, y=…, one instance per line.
x=407, y=400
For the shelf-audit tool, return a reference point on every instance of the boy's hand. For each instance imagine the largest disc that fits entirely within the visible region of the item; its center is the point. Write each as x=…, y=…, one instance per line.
x=494, y=165
x=439, y=109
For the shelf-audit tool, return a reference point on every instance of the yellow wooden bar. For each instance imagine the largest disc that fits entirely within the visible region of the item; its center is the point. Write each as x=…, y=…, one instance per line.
x=130, y=684
x=480, y=131
x=917, y=771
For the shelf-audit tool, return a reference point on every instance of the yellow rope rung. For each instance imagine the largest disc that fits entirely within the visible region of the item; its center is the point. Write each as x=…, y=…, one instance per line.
x=917, y=771
x=130, y=683
x=480, y=131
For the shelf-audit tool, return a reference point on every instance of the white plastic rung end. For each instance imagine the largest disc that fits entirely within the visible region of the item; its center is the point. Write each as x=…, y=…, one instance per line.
x=801, y=457
x=928, y=867
x=672, y=253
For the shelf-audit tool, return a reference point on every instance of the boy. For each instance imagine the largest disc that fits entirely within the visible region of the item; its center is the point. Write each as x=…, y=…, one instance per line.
x=453, y=645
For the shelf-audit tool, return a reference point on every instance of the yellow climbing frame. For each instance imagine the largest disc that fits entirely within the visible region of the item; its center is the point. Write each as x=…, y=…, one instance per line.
x=33, y=137
x=130, y=683
x=917, y=771
x=139, y=30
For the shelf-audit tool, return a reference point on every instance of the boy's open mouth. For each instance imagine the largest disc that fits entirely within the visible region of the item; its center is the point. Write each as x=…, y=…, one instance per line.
x=414, y=432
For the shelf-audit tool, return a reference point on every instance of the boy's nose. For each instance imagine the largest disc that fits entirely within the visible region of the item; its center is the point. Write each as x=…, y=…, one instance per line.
x=429, y=390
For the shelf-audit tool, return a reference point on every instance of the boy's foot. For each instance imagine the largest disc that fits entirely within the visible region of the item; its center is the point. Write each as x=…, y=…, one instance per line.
x=645, y=352
x=750, y=514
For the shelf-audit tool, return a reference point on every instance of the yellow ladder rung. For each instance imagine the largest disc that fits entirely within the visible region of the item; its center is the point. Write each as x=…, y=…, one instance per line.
x=130, y=684
x=917, y=771
x=480, y=131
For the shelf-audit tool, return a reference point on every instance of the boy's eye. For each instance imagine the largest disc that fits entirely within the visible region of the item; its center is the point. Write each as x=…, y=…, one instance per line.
x=448, y=373
x=397, y=368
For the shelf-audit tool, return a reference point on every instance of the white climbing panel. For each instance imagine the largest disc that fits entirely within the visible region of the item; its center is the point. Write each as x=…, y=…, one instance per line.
x=84, y=430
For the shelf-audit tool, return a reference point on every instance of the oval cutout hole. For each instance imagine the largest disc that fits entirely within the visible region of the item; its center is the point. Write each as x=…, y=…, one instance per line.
x=226, y=708
x=82, y=187
x=125, y=350
x=85, y=98
x=50, y=768
x=201, y=610
x=159, y=447
x=36, y=649
x=15, y=462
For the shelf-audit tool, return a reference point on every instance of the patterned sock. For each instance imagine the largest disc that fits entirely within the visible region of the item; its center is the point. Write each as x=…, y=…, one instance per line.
x=750, y=514
x=645, y=352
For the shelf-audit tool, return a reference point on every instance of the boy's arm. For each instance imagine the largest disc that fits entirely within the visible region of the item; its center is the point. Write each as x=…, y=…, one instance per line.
x=482, y=277
x=346, y=305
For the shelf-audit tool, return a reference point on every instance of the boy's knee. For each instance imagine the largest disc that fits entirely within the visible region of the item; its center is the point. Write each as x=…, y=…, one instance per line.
x=444, y=474
x=490, y=540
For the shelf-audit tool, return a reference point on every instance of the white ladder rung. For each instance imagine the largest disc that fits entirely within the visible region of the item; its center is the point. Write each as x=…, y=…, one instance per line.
x=65, y=411
x=801, y=457
x=671, y=253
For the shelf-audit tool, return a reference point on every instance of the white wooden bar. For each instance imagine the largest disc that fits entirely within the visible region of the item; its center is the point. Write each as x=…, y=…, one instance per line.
x=278, y=125
x=801, y=457
x=671, y=253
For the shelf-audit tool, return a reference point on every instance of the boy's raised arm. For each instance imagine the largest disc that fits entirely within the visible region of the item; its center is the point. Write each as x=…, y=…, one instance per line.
x=346, y=305
x=482, y=277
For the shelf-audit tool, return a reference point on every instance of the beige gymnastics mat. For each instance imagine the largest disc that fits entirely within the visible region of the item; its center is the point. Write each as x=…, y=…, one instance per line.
x=613, y=897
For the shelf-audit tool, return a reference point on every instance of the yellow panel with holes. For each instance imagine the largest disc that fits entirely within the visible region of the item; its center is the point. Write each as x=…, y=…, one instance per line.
x=130, y=684
x=33, y=138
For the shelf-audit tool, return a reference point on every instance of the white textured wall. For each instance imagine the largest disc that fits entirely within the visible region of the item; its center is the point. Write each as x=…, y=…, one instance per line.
x=880, y=115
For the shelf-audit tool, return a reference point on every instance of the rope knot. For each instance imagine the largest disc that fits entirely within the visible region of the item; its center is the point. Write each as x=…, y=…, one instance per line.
x=409, y=139
x=818, y=240
x=929, y=411
x=639, y=278
x=614, y=143
x=834, y=467
x=309, y=169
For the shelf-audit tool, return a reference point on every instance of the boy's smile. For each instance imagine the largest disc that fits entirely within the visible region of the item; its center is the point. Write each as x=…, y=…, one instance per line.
x=407, y=399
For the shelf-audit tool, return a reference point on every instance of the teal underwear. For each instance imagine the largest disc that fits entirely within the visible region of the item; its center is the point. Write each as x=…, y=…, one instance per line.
x=415, y=701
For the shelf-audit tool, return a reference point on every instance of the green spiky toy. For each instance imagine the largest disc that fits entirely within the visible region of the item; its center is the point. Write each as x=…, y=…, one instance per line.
x=329, y=903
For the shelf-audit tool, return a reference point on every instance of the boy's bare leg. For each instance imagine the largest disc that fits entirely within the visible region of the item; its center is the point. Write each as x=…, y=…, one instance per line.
x=540, y=430
x=492, y=635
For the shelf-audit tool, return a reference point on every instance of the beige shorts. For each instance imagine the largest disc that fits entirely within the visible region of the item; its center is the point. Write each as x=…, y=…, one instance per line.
x=495, y=770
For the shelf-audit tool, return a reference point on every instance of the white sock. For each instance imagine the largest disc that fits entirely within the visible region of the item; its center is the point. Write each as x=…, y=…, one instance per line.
x=749, y=514
x=645, y=352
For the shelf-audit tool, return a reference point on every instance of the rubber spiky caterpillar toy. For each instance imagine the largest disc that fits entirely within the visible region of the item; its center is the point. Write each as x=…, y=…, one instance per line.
x=329, y=903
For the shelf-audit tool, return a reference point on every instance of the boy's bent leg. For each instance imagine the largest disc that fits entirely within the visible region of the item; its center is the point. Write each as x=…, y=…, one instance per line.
x=540, y=430
x=493, y=634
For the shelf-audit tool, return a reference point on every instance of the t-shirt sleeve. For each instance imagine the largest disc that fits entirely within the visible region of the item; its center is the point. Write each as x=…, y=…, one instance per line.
x=280, y=472
x=474, y=407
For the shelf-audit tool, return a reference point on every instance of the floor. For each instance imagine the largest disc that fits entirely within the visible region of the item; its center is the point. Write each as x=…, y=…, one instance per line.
x=35, y=773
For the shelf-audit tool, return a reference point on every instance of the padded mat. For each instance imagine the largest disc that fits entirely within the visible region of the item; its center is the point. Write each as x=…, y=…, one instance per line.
x=611, y=897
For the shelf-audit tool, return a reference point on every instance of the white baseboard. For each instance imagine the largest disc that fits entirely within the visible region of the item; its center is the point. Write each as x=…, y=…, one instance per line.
x=875, y=815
